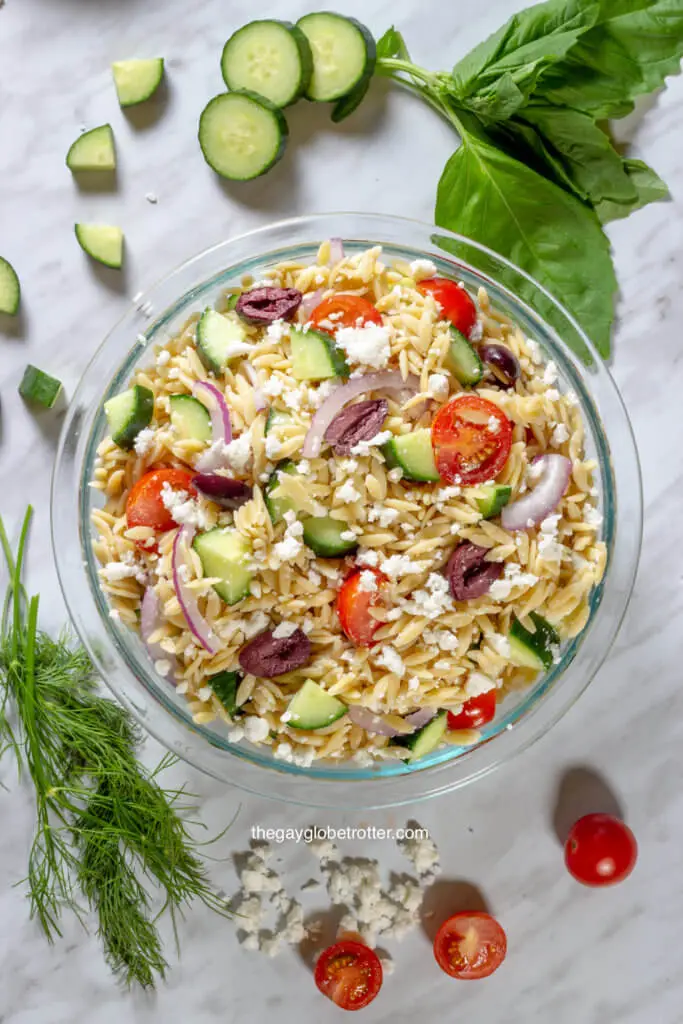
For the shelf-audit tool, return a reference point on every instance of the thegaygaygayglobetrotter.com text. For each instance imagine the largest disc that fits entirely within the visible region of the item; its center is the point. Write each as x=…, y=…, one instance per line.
x=311, y=832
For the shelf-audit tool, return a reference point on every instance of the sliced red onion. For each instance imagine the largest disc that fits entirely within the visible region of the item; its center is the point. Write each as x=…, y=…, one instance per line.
x=150, y=620
x=260, y=402
x=310, y=301
x=371, y=722
x=210, y=396
x=336, y=251
x=540, y=502
x=386, y=380
x=420, y=718
x=199, y=627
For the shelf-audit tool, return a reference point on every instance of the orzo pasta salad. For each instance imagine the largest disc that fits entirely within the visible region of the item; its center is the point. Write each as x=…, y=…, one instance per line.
x=348, y=510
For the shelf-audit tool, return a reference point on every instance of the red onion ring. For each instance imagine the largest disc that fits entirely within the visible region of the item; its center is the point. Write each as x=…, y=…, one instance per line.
x=310, y=301
x=213, y=399
x=260, y=402
x=199, y=627
x=543, y=499
x=336, y=251
x=420, y=718
x=371, y=722
x=150, y=620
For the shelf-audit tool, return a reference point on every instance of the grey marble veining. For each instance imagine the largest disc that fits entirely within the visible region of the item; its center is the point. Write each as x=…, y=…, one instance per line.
x=576, y=956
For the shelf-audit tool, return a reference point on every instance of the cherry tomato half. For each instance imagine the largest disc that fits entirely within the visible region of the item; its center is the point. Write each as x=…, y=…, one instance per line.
x=344, y=311
x=477, y=711
x=349, y=973
x=144, y=506
x=456, y=305
x=470, y=945
x=600, y=850
x=471, y=438
x=354, y=604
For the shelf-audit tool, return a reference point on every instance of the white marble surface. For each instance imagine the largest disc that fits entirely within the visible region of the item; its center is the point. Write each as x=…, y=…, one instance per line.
x=576, y=956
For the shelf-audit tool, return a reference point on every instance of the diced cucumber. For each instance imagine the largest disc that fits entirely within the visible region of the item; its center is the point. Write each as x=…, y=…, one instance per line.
x=323, y=535
x=231, y=302
x=426, y=739
x=103, y=242
x=344, y=54
x=276, y=418
x=220, y=339
x=40, y=387
x=492, y=498
x=413, y=453
x=128, y=414
x=225, y=553
x=533, y=650
x=136, y=80
x=315, y=356
x=224, y=685
x=10, y=289
x=189, y=418
x=93, y=151
x=312, y=708
x=242, y=135
x=462, y=360
x=278, y=506
x=271, y=58
x=346, y=105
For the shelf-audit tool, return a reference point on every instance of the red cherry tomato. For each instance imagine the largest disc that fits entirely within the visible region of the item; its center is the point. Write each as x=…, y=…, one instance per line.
x=475, y=713
x=471, y=438
x=456, y=305
x=470, y=945
x=344, y=311
x=600, y=850
x=144, y=506
x=354, y=604
x=349, y=973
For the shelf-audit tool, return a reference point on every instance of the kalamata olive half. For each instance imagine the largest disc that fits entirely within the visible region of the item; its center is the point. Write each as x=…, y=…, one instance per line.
x=468, y=574
x=355, y=423
x=223, y=490
x=501, y=362
x=265, y=305
x=268, y=655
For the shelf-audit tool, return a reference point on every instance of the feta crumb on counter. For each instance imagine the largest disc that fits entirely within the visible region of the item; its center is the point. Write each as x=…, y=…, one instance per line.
x=365, y=346
x=423, y=854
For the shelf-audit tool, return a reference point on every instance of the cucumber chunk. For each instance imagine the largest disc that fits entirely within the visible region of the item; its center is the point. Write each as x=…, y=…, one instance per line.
x=278, y=506
x=10, y=289
x=242, y=135
x=136, y=80
x=462, y=360
x=533, y=650
x=323, y=535
x=102, y=242
x=276, y=418
x=220, y=339
x=128, y=414
x=315, y=356
x=93, y=151
x=426, y=739
x=344, y=55
x=37, y=386
x=493, y=497
x=414, y=454
x=312, y=708
x=231, y=302
x=225, y=553
x=224, y=685
x=271, y=58
x=189, y=418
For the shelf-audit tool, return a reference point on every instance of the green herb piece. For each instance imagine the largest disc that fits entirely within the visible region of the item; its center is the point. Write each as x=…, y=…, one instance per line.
x=649, y=189
x=392, y=44
x=37, y=386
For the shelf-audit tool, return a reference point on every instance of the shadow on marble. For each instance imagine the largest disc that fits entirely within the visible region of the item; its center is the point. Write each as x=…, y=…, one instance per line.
x=99, y=182
x=145, y=115
x=49, y=423
x=306, y=120
x=115, y=281
x=582, y=790
x=266, y=192
x=14, y=328
x=322, y=927
x=446, y=897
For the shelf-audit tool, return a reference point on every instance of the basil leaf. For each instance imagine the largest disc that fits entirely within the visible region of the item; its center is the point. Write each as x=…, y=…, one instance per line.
x=498, y=201
x=392, y=44
x=649, y=188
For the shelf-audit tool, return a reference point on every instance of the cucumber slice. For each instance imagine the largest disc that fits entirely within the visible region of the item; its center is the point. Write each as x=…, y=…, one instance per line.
x=493, y=497
x=278, y=506
x=315, y=356
x=128, y=414
x=533, y=650
x=40, y=387
x=136, y=80
x=344, y=55
x=462, y=360
x=220, y=339
x=323, y=535
x=242, y=135
x=224, y=686
x=189, y=418
x=276, y=419
x=312, y=708
x=102, y=242
x=225, y=553
x=232, y=301
x=271, y=58
x=93, y=151
x=426, y=739
x=347, y=104
x=10, y=289
x=414, y=454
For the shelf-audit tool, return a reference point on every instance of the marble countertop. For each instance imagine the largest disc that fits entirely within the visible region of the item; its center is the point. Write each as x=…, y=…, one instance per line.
x=576, y=956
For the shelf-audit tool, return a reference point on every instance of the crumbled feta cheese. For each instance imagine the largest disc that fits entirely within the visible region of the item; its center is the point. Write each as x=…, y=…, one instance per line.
x=552, y=394
x=273, y=447
x=277, y=330
x=114, y=572
x=550, y=373
x=163, y=667
x=363, y=447
x=255, y=729
x=290, y=546
x=236, y=733
x=446, y=493
x=560, y=435
x=363, y=758
x=273, y=387
x=236, y=455
x=421, y=269
x=548, y=547
x=535, y=351
x=493, y=424
x=184, y=509
x=444, y=639
x=572, y=398
x=382, y=515
x=367, y=557
x=592, y=517
x=283, y=751
x=367, y=583
x=292, y=398
x=391, y=659
x=397, y=566
x=414, y=683
x=348, y=535
x=347, y=493
x=163, y=358
x=422, y=852
x=394, y=475
x=144, y=442
x=439, y=385
x=151, y=198
x=284, y=629
x=477, y=683
x=500, y=644
x=431, y=601
x=501, y=589
x=477, y=332
x=365, y=346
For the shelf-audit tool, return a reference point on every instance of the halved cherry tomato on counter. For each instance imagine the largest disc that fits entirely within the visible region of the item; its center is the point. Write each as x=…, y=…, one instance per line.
x=349, y=973
x=456, y=305
x=144, y=506
x=470, y=945
x=344, y=311
x=471, y=438
x=354, y=604
x=600, y=850
x=477, y=711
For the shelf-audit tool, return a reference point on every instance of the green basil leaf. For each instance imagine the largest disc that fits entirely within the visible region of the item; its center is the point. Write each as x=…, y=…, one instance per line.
x=498, y=201
x=649, y=188
x=392, y=44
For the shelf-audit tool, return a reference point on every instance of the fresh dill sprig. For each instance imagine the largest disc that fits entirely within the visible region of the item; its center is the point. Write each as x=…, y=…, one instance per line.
x=105, y=828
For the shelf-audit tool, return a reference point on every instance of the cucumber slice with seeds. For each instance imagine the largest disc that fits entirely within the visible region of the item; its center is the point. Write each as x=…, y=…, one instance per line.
x=323, y=535
x=462, y=360
x=129, y=413
x=225, y=554
x=271, y=58
x=315, y=356
x=312, y=708
x=137, y=80
x=93, y=151
x=189, y=418
x=220, y=339
x=38, y=386
x=103, y=242
x=242, y=135
x=533, y=650
x=344, y=55
x=10, y=289
x=413, y=453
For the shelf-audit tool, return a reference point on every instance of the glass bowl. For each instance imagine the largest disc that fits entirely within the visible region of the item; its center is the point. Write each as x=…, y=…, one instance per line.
x=118, y=653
